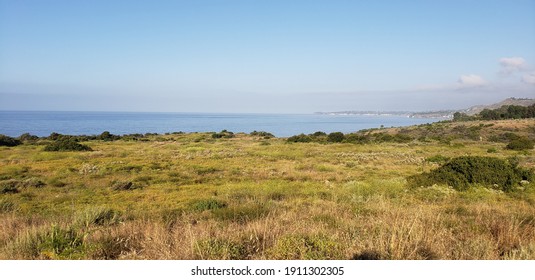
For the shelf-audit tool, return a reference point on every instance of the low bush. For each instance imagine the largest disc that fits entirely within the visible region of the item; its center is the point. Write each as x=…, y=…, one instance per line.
x=107, y=136
x=335, y=137
x=264, y=134
x=520, y=144
x=27, y=137
x=357, y=138
x=8, y=141
x=66, y=144
x=318, y=134
x=223, y=134
x=301, y=138
x=462, y=172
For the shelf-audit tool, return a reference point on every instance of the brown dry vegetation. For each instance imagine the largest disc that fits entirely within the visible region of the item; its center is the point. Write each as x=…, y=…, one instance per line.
x=191, y=196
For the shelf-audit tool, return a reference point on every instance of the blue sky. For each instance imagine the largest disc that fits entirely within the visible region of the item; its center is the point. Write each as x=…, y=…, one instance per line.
x=264, y=56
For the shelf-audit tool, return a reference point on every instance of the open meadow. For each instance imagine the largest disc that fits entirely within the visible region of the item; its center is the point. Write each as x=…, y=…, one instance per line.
x=252, y=196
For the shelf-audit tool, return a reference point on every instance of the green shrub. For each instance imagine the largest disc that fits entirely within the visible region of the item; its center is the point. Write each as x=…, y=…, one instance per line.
x=318, y=134
x=8, y=141
x=264, y=134
x=356, y=138
x=27, y=137
x=107, y=136
x=223, y=134
x=301, y=138
x=520, y=144
x=66, y=144
x=462, y=172
x=335, y=137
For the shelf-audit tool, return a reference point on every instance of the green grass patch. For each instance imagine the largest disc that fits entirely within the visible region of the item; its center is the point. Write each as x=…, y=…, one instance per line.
x=207, y=204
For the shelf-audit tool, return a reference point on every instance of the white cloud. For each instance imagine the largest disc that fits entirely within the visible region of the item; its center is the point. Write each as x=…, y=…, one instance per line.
x=529, y=78
x=512, y=64
x=468, y=81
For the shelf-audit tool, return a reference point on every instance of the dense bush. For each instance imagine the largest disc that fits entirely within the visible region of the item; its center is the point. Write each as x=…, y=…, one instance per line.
x=55, y=136
x=223, y=134
x=462, y=172
x=66, y=144
x=300, y=138
x=8, y=141
x=335, y=137
x=264, y=134
x=520, y=144
x=107, y=136
x=318, y=134
x=28, y=137
x=357, y=138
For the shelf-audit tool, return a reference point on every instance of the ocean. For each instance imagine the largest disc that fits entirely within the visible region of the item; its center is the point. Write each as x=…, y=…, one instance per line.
x=40, y=123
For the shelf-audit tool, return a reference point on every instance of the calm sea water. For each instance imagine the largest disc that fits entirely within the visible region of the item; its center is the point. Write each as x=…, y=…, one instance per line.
x=15, y=123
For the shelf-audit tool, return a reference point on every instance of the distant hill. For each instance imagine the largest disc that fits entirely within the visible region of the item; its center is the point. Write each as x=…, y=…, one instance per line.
x=509, y=101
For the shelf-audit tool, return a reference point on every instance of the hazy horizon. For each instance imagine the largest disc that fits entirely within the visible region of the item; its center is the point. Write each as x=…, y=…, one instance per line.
x=264, y=56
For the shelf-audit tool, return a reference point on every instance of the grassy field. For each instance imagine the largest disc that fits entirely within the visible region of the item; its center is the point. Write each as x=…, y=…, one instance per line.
x=191, y=196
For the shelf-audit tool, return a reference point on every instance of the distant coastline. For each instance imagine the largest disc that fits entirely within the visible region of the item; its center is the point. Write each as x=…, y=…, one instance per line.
x=446, y=114
x=439, y=114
